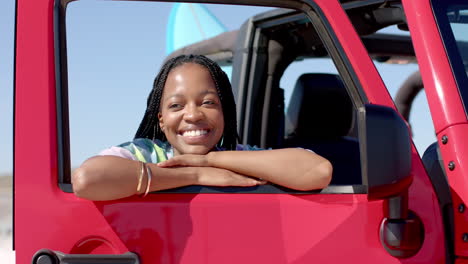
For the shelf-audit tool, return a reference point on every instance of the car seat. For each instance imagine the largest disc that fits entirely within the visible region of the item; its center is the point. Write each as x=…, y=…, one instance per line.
x=319, y=117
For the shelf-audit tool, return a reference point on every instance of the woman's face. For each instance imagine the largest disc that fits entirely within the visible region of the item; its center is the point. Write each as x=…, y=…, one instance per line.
x=190, y=114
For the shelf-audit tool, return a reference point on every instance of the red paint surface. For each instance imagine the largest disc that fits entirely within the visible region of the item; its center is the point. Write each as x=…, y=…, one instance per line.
x=439, y=84
x=456, y=150
x=461, y=261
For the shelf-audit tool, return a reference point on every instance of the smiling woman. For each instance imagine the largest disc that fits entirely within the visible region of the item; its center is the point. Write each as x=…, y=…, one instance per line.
x=192, y=107
x=189, y=105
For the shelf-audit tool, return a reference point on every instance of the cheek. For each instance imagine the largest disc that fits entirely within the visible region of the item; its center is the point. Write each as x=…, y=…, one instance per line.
x=167, y=121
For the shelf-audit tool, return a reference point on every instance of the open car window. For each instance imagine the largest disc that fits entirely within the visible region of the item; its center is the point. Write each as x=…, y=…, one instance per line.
x=292, y=83
x=400, y=73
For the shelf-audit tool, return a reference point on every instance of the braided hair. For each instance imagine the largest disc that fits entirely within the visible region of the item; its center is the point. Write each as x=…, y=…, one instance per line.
x=149, y=126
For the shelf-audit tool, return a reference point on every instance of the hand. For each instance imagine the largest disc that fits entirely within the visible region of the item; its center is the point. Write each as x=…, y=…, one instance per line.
x=186, y=160
x=221, y=177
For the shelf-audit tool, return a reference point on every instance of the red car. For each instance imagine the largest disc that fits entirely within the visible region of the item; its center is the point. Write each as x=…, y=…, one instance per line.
x=385, y=204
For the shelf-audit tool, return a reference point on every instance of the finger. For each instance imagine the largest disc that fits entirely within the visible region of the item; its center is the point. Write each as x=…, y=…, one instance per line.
x=163, y=164
x=169, y=163
x=246, y=181
x=262, y=182
x=188, y=160
x=251, y=182
x=193, y=160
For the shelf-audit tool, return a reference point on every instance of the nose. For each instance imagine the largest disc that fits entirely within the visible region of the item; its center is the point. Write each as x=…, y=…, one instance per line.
x=193, y=113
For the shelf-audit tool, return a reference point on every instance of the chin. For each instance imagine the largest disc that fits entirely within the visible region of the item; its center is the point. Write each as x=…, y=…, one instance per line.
x=197, y=150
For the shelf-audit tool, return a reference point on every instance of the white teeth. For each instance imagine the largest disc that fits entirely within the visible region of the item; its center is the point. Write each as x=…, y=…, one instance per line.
x=194, y=133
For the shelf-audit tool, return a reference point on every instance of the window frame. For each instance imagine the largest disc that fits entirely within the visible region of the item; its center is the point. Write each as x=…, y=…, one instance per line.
x=325, y=32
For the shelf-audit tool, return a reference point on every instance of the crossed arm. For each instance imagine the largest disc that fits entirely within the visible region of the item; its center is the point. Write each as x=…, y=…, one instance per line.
x=111, y=177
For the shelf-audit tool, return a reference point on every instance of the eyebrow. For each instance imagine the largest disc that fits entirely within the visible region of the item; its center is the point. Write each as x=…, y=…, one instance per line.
x=202, y=93
x=208, y=92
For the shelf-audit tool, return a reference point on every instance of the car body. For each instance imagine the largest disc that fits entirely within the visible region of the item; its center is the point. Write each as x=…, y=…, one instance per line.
x=396, y=210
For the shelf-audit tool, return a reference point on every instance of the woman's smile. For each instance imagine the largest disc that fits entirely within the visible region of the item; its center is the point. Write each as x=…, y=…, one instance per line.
x=198, y=136
x=195, y=133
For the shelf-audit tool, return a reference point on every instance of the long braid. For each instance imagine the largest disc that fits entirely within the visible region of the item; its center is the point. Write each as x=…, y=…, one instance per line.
x=149, y=126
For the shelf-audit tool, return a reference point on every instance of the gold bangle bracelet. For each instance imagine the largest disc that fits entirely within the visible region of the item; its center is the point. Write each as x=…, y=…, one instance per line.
x=148, y=170
x=140, y=176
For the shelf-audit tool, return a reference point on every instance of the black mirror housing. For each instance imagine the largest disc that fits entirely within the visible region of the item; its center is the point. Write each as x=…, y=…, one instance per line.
x=385, y=146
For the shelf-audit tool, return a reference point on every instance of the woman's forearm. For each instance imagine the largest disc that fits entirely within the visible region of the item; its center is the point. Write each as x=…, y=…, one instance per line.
x=293, y=168
x=110, y=177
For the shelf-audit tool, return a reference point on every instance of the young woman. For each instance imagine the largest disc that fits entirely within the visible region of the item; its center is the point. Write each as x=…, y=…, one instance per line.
x=188, y=136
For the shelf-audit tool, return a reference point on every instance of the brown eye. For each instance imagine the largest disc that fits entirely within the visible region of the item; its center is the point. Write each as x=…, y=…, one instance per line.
x=175, y=106
x=208, y=102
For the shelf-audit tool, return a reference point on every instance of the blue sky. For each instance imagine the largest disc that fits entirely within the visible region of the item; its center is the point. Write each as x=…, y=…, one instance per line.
x=7, y=15
x=115, y=49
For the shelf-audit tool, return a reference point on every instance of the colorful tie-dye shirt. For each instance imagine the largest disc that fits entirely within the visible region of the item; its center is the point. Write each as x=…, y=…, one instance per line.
x=152, y=151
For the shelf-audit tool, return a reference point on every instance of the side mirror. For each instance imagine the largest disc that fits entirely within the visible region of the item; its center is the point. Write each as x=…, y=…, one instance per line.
x=385, y=147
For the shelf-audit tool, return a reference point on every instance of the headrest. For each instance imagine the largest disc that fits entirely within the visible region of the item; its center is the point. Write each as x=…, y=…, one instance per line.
x=319, y=109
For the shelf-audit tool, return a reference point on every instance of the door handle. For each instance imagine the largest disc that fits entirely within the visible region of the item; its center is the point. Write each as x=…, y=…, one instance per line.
x=47, y=256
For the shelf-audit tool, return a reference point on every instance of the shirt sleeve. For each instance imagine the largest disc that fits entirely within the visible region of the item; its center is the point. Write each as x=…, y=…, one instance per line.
x=119, y=152
x=250, y=148
x=141, y=149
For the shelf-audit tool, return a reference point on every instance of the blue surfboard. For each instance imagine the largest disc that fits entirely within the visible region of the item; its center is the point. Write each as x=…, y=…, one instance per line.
x=189, y=23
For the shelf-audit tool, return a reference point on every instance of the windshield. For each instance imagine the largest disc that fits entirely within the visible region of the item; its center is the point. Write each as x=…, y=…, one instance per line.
x=452, y=19
x=458, y=19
